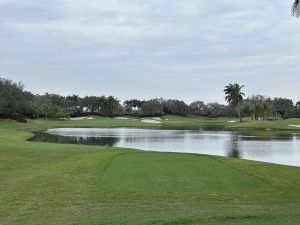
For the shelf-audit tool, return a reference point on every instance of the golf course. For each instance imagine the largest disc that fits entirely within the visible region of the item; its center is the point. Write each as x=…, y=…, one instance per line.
x=153, y=112
x=50, y=183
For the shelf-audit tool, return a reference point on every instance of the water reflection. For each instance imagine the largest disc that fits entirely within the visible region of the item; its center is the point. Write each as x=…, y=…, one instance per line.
x=234, y=152
x=275, y=147
x=233, y=147
x=47, y=137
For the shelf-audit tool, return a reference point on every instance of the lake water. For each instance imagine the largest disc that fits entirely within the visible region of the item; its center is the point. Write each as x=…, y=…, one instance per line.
x=266, y=147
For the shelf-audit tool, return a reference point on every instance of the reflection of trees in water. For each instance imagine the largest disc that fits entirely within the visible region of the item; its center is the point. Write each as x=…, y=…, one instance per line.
x=233, y=147
x=296, y=136
x=266, y=136
x=234, y=152
x=148, y=139
x=195, y=127
x=102, y=141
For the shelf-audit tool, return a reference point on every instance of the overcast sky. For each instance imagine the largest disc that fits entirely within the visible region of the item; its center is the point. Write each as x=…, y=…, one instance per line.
x=185, y=49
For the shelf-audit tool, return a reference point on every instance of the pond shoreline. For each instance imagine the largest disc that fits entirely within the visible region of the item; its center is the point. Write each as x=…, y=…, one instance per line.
x=279, y=148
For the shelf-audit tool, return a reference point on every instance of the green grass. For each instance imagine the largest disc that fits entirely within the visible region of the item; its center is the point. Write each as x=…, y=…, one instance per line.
x=248, y=124
x=45, y=183
x=275, y=125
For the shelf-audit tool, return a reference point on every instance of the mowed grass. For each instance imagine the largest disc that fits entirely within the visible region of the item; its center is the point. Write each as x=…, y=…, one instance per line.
x=45, y=183
x=275, y=125
x=190, y=121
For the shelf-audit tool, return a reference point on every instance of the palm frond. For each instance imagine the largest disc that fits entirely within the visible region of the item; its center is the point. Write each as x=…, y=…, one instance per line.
x=234, y=94
x=296, y=8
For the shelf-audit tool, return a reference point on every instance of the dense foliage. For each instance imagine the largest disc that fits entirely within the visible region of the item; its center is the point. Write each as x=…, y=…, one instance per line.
x=16, y=102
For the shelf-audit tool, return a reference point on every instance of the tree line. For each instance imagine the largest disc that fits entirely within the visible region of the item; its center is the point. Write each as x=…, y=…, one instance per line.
x=16, y=103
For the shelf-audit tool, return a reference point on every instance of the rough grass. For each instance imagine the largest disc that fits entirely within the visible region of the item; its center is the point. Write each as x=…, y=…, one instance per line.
x=45, y=183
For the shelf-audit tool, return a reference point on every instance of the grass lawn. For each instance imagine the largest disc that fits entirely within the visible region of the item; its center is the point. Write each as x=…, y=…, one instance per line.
x=46, y=183
x=187, y=121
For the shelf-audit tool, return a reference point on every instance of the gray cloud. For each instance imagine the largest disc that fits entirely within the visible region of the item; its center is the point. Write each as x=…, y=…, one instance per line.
x=151, y=48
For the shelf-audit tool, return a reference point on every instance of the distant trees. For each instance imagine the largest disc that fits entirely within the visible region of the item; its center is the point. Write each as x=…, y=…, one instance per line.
x=234, y=96
x=133, y=106
x=109, y=106
x=152, y=107
x=297, y=110
x=74, y=105
x=198, y=108
x=215, y=110
x=283, y=106
x=16, y=103
x=93, y=104
x=212, y=110
x=56, y=100
x=175, y=107
x=13, y=99
x=53, y=111
x=257, y=107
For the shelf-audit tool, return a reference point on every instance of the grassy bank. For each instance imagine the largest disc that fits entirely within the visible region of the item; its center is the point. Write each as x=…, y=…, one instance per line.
x=228, y=123
x=45, y=183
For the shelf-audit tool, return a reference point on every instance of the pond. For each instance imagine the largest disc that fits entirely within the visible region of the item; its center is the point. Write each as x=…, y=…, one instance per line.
x=265, y=147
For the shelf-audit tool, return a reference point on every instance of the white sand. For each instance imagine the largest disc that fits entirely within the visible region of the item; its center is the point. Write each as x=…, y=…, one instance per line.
x=82, y=118
x=156, y=118
x=295, y=126
x=78, y=118
x=121, y=118
x=231, y=121
x=150, y=121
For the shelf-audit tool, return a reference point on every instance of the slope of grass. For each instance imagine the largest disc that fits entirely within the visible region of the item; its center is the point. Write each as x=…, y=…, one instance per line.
x=275, y=125
x=45, y=183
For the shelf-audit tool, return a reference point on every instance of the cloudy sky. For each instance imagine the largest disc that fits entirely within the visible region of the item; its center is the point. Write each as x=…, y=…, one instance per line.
x=185, y=49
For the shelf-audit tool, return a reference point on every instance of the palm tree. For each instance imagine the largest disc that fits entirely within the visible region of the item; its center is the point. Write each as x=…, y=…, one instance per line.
x=109, y=104
x=296, y=8
x=234, y=96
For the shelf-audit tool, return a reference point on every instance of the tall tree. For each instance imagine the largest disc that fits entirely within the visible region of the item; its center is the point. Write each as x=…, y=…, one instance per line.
x=234, y=96
x=109, y=105
x=296, y=8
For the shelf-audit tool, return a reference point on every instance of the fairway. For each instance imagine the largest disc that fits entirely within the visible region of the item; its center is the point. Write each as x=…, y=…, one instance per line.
x=45, y=183
x=185, y=175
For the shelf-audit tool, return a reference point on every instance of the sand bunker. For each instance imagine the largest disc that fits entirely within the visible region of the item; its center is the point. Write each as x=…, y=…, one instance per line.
x=295, y=126
x=231, y=121
x=156, y=118
x=150, y=121
x=82, y=118
x=121, y=118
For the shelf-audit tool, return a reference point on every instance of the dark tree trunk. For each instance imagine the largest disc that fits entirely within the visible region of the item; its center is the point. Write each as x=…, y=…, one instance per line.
x=238, y=110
